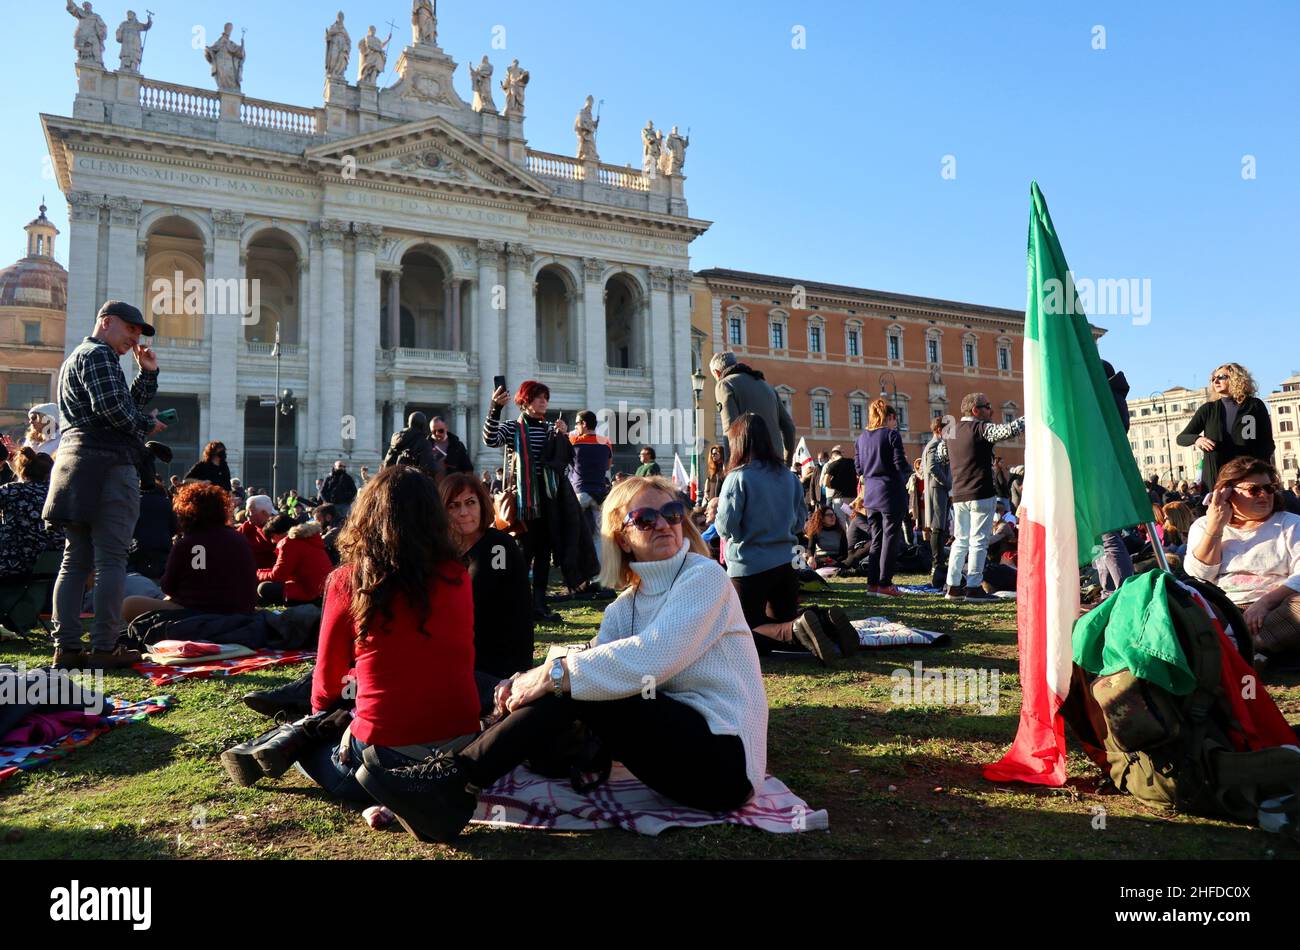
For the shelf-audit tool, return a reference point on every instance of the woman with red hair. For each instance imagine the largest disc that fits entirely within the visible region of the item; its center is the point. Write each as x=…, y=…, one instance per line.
x=540, y=452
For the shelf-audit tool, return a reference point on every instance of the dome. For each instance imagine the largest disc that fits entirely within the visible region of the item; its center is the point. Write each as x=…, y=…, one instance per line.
x=38, y=280
x=35, y=282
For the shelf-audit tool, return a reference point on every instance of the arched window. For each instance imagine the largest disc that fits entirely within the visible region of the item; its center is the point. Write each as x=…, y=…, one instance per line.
x=820, y=405
x=858, y=402
x=737, y=326
x=970, y=351
x=786, y=395
x=816, y=336
x=894, y=345
x=778, y=327
x=853, y=339
x=1004, y=354
x=934, y=346
x=903, y=404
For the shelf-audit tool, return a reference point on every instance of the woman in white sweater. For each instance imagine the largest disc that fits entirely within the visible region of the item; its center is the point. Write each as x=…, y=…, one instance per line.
x=672, y=685
x=1250, y=547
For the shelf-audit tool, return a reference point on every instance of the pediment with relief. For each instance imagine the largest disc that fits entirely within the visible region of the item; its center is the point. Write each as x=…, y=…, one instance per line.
x=431, y=150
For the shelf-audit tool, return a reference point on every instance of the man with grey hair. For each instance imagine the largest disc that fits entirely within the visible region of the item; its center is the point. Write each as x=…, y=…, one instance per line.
x=259, y=509
x=974, y=494
x=740, y=389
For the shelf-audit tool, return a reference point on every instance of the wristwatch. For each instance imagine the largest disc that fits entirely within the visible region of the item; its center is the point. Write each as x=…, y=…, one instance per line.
x=557, y=677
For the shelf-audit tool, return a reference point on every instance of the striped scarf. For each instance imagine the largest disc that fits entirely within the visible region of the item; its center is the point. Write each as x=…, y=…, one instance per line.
x=532, y=481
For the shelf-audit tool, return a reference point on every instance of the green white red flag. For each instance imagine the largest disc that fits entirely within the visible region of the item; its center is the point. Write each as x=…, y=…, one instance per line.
x=1081, y=481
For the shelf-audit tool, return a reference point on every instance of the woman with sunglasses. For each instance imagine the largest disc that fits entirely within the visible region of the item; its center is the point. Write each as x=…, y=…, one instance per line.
x=671, y=686
x=1234, y=423
x=760, y=514
x=1251, y=549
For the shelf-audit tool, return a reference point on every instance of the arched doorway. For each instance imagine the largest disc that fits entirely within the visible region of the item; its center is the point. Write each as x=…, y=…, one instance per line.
x=174, y=275
x=274, y=289
x=556, y=325
x=624, y=326
x=423, y=318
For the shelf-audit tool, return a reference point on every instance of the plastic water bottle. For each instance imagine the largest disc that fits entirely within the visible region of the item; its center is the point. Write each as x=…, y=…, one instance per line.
x=1274, y=821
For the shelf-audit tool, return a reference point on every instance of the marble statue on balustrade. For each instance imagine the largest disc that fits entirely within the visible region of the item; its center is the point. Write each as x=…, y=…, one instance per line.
x=424, y=23
x=338, y=50
x=91, y=33
x=513, y=86
x=374, y=56
x=131, y=35
x=227, y=59
x=674, y=154
x=482, y=81
x=652, y=146
x=585, y=126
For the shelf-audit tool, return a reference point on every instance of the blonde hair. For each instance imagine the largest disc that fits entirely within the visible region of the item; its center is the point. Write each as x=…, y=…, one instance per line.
x=878, y=414
x=1241, y=385
x=616, y=564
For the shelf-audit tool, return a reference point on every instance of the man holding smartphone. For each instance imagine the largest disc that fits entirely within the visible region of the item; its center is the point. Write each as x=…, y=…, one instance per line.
x=95, y=486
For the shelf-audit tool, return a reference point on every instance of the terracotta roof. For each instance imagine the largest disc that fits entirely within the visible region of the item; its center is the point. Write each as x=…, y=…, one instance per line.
x=35, y=282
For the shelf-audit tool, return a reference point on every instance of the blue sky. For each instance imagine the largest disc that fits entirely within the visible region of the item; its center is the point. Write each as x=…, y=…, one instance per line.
x=824, y=163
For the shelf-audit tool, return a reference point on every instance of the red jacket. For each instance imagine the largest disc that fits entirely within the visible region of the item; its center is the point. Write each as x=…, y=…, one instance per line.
x=411, y=687
x=301, y=564
x=263, y=549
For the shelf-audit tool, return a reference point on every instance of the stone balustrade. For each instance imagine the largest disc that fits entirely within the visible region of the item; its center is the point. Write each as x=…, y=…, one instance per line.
x=181, y=100
x=278, y=116
x=551, y=165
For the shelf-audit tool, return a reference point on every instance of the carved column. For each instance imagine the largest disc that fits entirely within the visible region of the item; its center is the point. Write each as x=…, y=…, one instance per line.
x=593, y=326
x=521, y=316
x=395, y=308
x=662, y=370
x=123, y=230
x=365, y=343
x=487, y=328
x=456, y=284
x=83, y=267
x=311, y=337
x=330, y=417
x=227, y=330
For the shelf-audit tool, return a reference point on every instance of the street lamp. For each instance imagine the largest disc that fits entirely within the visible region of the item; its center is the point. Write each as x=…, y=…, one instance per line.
x=284, y=406
x=697, y=387
x=1164, y=411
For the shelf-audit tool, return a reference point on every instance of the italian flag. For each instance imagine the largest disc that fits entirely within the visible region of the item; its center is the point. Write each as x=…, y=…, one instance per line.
x=1081, y=481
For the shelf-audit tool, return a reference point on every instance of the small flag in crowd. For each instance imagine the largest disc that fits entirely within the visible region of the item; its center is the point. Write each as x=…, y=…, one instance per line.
x=695, y=481
x=801, y=454
x=680, y=481
x=1081, y=481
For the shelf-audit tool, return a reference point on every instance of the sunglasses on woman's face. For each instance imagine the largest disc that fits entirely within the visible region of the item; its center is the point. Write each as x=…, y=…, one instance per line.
x=1255, y=491
x=645, y=519
x=1219, y=379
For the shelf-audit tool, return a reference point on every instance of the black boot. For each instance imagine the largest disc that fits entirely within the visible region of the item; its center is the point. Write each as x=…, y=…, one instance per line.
x=283, y=748
x=240, y=762
x=291, y=698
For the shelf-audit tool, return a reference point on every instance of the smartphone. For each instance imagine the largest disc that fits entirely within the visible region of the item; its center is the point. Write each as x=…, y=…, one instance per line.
x=169, y=417
x=498, y=382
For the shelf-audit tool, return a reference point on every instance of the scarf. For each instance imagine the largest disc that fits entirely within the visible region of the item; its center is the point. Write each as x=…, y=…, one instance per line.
x=532, y=482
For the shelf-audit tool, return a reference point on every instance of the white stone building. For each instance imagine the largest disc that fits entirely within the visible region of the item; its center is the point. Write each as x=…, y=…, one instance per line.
x=1154, y=423
x=408, y=245
x=1284, y=408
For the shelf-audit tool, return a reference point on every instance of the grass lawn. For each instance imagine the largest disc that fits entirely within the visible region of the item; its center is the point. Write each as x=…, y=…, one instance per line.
x=898, y=781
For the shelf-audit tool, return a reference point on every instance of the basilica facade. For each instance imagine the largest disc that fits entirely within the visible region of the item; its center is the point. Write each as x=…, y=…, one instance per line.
x=405, y=245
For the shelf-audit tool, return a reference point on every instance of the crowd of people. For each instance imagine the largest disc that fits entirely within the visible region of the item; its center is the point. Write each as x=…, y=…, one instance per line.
x=430, y=579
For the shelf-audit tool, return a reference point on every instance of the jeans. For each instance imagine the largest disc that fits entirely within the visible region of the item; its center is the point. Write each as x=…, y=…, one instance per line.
x=972, y=528
x=590, y=508
x=102, y=547
x=937, y=567
x=321, y=764
x=835, y=501
x=1114, y=565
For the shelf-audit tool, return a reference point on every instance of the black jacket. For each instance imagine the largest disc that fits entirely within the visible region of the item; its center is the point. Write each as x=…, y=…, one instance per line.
x=457, y=459
x=1212, y=422
x=217, y=474
x=339, y=488
x=413, y=447
x=571, y=542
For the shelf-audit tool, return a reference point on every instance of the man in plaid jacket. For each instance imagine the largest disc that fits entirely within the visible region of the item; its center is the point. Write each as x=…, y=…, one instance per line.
x=95, y=486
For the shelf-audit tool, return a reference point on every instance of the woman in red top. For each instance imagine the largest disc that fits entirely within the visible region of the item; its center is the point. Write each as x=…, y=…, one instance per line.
x=301, y=564
x=397, y=633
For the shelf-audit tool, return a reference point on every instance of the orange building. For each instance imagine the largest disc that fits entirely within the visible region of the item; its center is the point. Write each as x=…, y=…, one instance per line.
x=830, y=349
x=33, y=308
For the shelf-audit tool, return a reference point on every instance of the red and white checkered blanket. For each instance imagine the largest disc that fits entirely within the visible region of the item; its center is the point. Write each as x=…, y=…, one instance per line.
x=525, y=800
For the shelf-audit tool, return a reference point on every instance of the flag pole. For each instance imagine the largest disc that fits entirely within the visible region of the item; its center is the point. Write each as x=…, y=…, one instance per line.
x=1161, y=561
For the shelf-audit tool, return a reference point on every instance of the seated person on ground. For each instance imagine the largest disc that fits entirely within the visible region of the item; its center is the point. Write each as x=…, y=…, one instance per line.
x=1178, y=524
x=828, y=545
x=155, y=527
x=503, y=605
x=23, y=534
x=210, y=568
x=327, y=516
x=301, y=564
x=397, y=631
x=259, y=509
x=701, y=741
x=1251, y=550
x=1004, y=537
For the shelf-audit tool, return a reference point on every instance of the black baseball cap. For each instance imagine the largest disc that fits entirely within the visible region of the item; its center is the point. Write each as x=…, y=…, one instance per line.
x=126, y=312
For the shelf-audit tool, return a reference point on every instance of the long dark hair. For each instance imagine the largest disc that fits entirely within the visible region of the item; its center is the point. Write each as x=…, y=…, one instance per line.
x=751, y=441
x=397, y=540
x=719, y=468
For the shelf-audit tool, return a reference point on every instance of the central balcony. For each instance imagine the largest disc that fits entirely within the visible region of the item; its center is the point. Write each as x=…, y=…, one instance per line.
x=412, y=361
